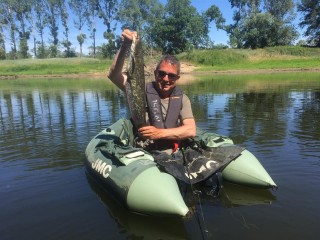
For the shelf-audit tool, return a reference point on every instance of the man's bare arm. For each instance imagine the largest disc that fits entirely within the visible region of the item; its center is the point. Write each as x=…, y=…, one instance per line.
x=187, y=130
x=116, y=73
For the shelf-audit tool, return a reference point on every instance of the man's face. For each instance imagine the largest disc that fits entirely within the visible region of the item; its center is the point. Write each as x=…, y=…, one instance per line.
x=166, y=77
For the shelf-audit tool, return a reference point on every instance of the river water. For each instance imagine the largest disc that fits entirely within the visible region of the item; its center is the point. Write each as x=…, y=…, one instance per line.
x=45, y=125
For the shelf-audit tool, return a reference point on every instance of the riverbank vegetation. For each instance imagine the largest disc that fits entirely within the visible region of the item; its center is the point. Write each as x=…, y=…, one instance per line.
x=282, y=57
x=66, y=29
x=53, y=66
x=203, y=60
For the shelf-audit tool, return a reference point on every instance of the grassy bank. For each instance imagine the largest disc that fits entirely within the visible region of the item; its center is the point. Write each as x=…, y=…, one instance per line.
x=246, y=59
x=54, y=66
x=53, y=84
x=205, y=60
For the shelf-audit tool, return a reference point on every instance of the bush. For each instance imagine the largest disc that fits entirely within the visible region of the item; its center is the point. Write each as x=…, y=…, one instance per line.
x=2, y=54
x=214, y=57
x=42, y=52
x=294, y=51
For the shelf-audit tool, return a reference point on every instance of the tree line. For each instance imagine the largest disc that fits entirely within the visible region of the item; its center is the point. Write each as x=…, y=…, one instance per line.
x=173, y=27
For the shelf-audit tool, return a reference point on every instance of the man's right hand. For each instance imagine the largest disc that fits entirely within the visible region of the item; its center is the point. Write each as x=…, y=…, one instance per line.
x=127, y=35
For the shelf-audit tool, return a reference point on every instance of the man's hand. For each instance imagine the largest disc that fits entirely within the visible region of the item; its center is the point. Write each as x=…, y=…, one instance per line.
x=127, y=35
x=150, y=132
x=187, y=130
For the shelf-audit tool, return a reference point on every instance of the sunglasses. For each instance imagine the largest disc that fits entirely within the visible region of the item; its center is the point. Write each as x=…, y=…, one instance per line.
x=171, y=76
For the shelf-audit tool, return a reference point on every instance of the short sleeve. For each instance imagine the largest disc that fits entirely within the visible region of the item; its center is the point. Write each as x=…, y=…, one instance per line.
x=186, y=111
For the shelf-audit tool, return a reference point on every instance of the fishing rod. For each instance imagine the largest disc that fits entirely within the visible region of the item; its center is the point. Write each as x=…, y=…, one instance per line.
x=195, y=193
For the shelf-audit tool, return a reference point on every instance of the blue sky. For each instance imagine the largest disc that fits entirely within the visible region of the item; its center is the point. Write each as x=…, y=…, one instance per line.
x=218, y=36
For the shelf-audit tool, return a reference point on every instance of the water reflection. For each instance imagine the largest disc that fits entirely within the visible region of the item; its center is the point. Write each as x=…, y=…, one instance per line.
x=140, y=226
x=48, y=121
x=235, y=196
x=230, y=195
x=46, y=125
x=306, y=121
x=51, y=124
x=149, y=227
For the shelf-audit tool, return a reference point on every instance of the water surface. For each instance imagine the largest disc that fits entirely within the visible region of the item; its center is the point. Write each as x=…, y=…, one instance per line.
x=45, y=125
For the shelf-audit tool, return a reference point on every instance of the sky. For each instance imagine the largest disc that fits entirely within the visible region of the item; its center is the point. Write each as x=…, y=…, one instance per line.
x=218, y=36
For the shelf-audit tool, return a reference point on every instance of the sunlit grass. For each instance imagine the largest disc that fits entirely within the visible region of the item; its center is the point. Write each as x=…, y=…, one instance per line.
x=222, y=83
x=53, y=66
x=57, y=83
x=233, y=83
x=284, y=57
x=274, y=63
x=247, y=59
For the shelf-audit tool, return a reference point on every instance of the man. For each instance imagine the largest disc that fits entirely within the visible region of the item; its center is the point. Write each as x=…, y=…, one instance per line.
x=170, y=128
x=171, y=120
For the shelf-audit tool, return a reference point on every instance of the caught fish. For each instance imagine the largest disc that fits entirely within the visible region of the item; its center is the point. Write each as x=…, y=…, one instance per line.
x=135, y=84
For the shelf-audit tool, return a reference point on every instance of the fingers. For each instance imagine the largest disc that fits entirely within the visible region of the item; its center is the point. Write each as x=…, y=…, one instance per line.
x=128, y=35
x=148, y=132
x=145, y=130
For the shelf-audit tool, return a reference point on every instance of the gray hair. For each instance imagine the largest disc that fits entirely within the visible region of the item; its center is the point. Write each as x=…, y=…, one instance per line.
x=169, y=59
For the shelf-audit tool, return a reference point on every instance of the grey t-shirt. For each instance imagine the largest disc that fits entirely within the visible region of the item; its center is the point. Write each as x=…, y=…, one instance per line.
x=186, y=110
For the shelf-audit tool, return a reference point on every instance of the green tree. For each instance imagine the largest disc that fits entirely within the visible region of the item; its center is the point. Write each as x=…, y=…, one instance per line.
x=2, y=35
x=22, y=11
x=140, y=15
x=52, y=13
x=64, y=18
x=157, y=11
x=93, y=11
x=282, y=12
x=137, y=14
x=42, y=51
x=81, y=38
x=182, y=28
x=108, y=10
x=8, y=19
x=2, y=45
x=256, y=31
x=40, y=24
x=261, y=23
x=311, y=20
x=213, y=14
x=81, y=13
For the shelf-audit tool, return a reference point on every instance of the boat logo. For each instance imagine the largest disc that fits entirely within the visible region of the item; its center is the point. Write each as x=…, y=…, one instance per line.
x=101, y=167
x=203, y=168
